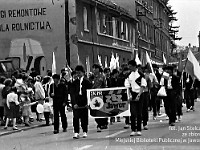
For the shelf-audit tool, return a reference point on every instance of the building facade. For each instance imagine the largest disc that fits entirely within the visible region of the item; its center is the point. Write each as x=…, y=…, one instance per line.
x=99, y=29
x=153, y=29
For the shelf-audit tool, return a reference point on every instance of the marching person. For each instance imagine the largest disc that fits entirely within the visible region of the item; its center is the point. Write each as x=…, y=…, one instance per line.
x=125, y=72
x=173, y=87
x=146, y=96
x=79, y=88
x=59, y=94
x=136, y=82
x=188, y=92
x=99, y=81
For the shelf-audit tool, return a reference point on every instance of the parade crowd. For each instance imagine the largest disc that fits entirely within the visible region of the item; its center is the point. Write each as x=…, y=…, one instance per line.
x=21, y=95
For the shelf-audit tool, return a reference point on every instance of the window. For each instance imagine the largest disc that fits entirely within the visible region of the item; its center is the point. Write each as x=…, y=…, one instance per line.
x=104, y=24
x=109, y=25
x=126, y=31
x=133, y=36
x=98, y=21
x=114, y=27
x=85, y=19
x=146, y=32
x=118, y=28
x=122, y=30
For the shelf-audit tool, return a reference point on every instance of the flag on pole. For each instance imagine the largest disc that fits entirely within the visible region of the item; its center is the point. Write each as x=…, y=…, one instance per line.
x=117, y=61
x=78, y=59
x=99, y=59
x=53, y=64
x=112, y=62
x=164, y=59
x=148, y=60
x=137, y=59
x=88, y=65
x=106, y=62
x=192, y=65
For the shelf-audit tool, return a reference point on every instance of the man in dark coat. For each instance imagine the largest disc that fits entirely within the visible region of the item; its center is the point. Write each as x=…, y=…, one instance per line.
x=78, y=91
x=59, y=93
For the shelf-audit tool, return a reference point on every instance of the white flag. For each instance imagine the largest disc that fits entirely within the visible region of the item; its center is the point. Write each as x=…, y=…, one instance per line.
x=112, y=62
x=192, y=66
x=137, y=59
x=150, y=64
x=99, y=59
x=53, y=64
x=117, y=61
x=164, y=59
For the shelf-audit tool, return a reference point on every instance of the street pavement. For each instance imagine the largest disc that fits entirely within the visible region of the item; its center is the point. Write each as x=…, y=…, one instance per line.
x=185, y=135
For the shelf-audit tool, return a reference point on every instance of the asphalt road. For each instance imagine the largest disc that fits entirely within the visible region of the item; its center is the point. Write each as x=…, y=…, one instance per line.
x=185, y=135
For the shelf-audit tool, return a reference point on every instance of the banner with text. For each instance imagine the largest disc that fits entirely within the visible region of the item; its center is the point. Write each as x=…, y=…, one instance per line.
x=107, y=102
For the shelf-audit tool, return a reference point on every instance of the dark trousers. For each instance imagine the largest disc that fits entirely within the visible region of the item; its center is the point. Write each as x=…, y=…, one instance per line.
x=155, y=101
x=136, y=112
x=59, y=110
x=101, y=122
x=80, y=115
x=1, y=112
x=127, y=120
x=145, y=103
x=189, y=97
x=179, y=104
x=46, y=116
x=136, y=115
x=170, y=105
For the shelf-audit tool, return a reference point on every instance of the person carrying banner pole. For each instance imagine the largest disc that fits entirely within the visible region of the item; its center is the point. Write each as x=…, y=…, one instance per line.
x=78, y=90
x=136, y=82
x=99, y=81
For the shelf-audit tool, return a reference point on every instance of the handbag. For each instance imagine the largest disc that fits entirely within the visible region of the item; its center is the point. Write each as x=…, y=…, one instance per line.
x=162, y=92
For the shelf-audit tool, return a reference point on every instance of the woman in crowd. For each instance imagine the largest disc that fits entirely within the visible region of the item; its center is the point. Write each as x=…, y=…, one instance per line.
x=13, y=111
x=2, y=100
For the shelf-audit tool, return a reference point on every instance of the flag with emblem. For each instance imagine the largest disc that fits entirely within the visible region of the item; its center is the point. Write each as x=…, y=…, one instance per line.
x=107, y=102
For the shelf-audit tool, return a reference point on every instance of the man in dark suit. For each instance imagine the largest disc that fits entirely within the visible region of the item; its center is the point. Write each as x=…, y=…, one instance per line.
x=78, y=91
x=59, y=93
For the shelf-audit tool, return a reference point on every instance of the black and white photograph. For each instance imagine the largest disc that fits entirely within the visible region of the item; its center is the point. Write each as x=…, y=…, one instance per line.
x=99, y=75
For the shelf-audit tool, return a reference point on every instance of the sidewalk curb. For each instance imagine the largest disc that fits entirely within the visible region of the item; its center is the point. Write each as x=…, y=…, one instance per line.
x=21, y=130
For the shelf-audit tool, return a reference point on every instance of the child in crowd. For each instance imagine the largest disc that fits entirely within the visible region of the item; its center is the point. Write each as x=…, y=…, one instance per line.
x=26, y=107
x=47, y=111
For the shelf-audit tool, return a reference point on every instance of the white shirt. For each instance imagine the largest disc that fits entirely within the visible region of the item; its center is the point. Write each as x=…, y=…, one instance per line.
x=130, y=82
x=12, y=97
x=39, y=91
x=80, y=90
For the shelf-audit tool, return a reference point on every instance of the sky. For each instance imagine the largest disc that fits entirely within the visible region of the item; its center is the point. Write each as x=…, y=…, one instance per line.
x=188, y=15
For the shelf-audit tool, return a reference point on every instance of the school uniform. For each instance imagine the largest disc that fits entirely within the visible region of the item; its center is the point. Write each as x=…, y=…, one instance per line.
x=78, y=93
x=60, y=100
x=188, y=93
x=173, y=87
x=135, y=106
